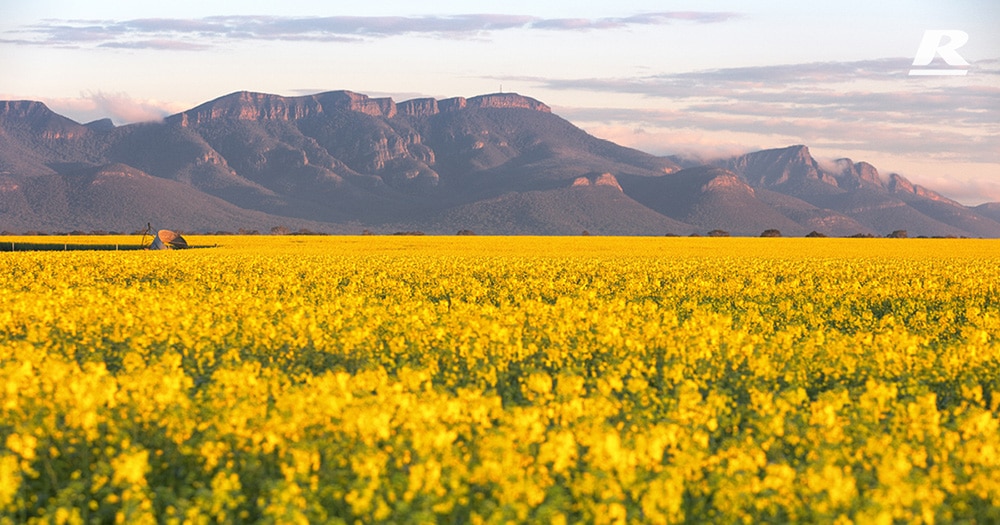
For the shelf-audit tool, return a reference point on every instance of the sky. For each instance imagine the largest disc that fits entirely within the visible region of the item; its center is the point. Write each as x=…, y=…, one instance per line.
x=701, y=79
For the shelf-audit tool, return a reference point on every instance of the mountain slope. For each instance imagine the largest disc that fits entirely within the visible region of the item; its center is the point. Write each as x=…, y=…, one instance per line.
x=989, y=210
x=599, y=210
x=711, y=198
x=117, y=197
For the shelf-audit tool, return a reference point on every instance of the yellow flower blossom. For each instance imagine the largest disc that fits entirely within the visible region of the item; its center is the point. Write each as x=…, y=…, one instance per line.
x=494, y=380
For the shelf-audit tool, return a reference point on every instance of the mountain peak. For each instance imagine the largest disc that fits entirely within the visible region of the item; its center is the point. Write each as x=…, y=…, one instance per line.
x=100, y=125
x=24, y=109
x=852, y=175
x=798, y=150
x=901, y=185
x=38, y=118
x=780, y=166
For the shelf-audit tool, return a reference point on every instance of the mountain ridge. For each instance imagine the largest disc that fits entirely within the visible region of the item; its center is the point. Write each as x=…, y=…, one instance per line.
x=248, y=105
x=500, y=163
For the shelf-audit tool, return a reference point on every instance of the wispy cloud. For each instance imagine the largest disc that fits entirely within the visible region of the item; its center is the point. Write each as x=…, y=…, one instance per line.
x=869, y=104
x=969, y=189
x=641, y=19
x=765, y=81
x=202, y=33
x=119, y=107
x=162, y=44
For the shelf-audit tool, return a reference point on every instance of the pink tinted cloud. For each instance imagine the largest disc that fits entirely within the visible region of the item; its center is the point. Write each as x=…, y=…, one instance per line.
x=202, y=33
x=119, y=107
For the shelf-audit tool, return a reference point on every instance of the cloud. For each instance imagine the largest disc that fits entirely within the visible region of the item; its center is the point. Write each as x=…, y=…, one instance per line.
x=641, y=19
x=162, y=44
x=119, y=107
x=869, y=104
x=822, y=83
x=202, y=33
x=782, y=127
x=758, y=80
x=695, y=145
x=966, y=189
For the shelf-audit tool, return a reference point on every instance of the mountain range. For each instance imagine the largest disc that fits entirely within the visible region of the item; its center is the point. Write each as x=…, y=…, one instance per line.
x=503, y=163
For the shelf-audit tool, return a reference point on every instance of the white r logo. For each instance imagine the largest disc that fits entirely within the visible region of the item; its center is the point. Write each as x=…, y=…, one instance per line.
x=931, y=46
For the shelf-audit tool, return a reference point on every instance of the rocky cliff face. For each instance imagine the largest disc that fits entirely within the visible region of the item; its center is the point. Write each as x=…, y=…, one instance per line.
x=418, y=107
x=604, y=179
x=249, y=106
x=507, y=101
x=350, y=101
x=246, y=105
x=425, y=107
x=262, y=107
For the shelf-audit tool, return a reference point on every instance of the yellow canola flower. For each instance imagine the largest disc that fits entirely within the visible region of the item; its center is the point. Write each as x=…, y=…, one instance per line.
x=494, y=380
x=130, y=468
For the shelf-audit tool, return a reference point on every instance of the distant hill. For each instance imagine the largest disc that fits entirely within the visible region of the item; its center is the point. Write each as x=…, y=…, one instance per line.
x=496, y=164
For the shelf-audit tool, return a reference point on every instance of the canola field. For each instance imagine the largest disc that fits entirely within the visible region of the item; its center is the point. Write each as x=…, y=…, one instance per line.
x=502, y=380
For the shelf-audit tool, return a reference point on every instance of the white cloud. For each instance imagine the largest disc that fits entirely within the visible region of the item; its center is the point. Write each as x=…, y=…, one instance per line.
x=867, y=105
x=204, y=33
x=119, y=107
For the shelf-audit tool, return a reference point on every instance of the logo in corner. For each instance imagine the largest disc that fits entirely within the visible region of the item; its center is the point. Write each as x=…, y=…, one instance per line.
x=943, y=43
